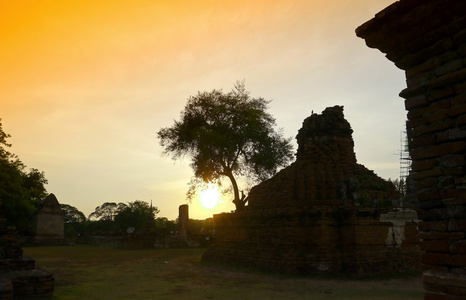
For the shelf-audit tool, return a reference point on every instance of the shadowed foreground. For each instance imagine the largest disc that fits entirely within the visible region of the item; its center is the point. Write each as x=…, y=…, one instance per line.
x=92, y=272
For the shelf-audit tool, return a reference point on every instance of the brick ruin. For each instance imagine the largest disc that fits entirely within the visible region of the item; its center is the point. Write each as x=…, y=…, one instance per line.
x=19, y=278
x=325, y=213
x=427, y=39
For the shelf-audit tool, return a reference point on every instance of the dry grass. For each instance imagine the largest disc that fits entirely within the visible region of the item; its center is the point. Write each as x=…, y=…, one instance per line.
x=92, y=272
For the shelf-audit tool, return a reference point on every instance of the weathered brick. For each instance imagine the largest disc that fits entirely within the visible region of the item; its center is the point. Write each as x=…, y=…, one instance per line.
x=432, y=127
x=426, y=182
x=458, y=247
x=417, y=101
x=457, y=291
x=441, y=137
x=432, y=235
x=444, y=278
x=458, y=272
x=460, y=180
x=421, y=111
x=454, y=201
x=435, y=246
x=449, y=67
x=458, y=100
x=457, y=225
x=453, y=161
x=459, y=36
x=457, y=109
x=428, y=196
x=451, y=193
x=426, y=66
x=439, y=150
x=460, y=88
x=420, y=165
x=434, y=268
x=421, y=78
x=461, y=120
x=421, y=121
x=439, y=94
x=437, y=258
x=451, y=212
x=457, y=133
x=427, y=173
x=446, y=183
x=433, y=226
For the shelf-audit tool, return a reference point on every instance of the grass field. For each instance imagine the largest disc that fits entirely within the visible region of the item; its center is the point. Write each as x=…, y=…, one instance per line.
x=95, y=272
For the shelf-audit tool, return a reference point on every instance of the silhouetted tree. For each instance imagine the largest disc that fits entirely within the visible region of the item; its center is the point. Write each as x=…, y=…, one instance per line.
x=227, y=135
x=136, y=214
x=20, y=191
x=107, y=211
x=72, y=214
x=400, y=186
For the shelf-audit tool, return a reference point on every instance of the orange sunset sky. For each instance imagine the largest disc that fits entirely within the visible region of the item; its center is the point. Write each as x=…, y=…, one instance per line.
x=85, y=85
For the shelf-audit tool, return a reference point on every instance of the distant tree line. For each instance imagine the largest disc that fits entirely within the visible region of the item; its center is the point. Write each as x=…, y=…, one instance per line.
x=110, y=218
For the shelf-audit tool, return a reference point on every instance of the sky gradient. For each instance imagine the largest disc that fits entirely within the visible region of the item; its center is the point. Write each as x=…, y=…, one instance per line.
x=85, y=85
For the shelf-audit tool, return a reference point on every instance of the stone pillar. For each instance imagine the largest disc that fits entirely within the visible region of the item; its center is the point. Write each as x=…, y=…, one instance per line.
x=427, y=39
x=183, y=219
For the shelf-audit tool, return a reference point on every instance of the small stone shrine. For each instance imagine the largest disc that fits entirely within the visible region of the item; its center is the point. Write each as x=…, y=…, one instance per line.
x=322, y=214
x=18, y=276
x=49, y=223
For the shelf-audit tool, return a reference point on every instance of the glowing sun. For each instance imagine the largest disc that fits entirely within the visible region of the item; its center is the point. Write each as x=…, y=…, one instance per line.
x=209, y=197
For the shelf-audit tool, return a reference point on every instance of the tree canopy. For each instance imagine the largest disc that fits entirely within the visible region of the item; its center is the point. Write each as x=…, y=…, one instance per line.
x=72, y=214
x=137, y=214
x=107, y=211
x=227, y=135
x=20, y=191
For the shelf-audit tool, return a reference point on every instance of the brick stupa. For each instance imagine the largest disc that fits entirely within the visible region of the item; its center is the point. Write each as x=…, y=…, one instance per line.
x=325, y=213
x=325, y=171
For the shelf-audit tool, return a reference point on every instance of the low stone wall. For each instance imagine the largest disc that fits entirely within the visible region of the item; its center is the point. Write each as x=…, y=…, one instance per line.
x=345, y=240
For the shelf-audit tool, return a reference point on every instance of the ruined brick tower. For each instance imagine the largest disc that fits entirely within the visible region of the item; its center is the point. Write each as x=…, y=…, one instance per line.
x=427, y=39
x=323, y=214
x=325, y=171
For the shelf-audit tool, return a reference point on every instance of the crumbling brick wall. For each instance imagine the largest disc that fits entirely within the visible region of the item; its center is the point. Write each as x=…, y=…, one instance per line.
x=325, y=213
x=427, y=39
x=345, y=240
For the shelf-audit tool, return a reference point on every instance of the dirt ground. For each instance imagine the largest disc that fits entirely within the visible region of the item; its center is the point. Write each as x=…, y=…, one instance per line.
x=92, y=272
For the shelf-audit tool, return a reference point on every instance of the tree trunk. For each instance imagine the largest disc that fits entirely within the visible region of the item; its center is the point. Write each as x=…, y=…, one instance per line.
x=239, y=203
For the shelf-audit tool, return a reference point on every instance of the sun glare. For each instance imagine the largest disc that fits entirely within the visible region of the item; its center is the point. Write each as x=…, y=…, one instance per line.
x=209, y=197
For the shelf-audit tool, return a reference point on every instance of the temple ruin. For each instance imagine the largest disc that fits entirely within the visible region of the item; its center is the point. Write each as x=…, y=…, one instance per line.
x=49, y=223
x=325, y=213
x=427, y=39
